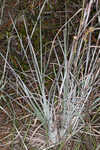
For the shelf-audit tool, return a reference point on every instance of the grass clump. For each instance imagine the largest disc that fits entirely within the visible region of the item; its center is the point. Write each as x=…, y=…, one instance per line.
x=63, y=114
